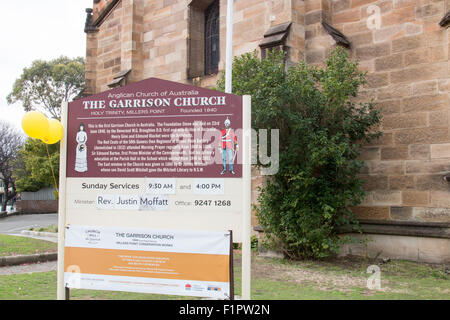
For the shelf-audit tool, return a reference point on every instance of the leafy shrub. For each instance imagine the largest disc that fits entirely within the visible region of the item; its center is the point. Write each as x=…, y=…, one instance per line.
x=321, y=133
x=33, y=168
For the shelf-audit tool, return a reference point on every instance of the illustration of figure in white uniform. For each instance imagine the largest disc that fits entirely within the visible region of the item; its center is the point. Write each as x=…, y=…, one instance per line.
x=81, y=155
x=228, y=146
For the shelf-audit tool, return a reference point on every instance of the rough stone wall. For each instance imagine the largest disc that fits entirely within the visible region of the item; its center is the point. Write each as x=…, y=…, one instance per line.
x=132, y=53
x=151, y=37
x=104, y=51
x=90, y=71
x=318, y=41
x=164, y=40
x=297, y=38
x=406, y=57
x=116, y=46
x=99, y=6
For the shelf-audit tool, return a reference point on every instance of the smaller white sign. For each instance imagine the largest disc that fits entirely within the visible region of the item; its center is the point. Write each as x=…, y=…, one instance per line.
x=178, y=262
x=161, y=185
x=209, y=186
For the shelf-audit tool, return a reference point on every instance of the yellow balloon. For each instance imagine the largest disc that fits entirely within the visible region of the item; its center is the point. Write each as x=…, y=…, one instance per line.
x=35, y=124
x=55, y=132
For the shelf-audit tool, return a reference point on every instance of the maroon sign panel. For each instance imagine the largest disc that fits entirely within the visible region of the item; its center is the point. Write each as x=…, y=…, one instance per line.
x=155, y=128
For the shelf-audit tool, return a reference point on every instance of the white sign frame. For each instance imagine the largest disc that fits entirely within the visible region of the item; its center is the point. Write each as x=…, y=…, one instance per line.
x=246, y=203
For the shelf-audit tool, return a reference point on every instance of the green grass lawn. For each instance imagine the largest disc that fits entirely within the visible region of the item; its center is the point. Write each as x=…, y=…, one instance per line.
x=13, y=245
x=277, y=279
x=42, y=286
x=51, y=228
x=346, y=278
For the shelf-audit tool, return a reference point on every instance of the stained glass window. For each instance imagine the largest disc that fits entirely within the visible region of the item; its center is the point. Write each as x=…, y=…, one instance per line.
x=212, y=38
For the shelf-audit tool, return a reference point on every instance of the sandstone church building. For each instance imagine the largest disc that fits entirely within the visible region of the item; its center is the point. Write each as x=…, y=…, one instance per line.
x=402, y=44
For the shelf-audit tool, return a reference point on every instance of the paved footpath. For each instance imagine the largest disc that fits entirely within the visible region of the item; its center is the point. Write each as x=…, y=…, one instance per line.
x=29, y=268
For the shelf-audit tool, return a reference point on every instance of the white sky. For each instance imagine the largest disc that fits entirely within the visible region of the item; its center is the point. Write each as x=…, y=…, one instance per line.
x=36, y=29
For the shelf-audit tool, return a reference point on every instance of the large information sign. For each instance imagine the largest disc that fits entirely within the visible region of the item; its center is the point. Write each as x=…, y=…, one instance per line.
x=156, y=154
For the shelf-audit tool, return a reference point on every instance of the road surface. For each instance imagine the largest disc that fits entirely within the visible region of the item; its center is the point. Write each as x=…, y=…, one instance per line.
x=15, y=224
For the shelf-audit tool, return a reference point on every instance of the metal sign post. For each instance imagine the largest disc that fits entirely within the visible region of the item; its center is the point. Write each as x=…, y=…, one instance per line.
x=246, y=203
x=61, y=292
x=231, y=266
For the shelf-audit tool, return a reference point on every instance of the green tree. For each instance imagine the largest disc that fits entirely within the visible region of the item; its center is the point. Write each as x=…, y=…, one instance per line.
x=10, y=143
x=34, y=171
x=43, y=87
x=321, y=133
x=46, y=84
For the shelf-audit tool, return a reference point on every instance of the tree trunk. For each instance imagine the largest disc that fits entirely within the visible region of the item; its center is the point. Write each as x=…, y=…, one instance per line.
x=6, y=197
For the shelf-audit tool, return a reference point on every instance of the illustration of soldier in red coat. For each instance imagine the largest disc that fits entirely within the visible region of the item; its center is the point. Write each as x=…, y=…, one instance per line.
x=229, y=147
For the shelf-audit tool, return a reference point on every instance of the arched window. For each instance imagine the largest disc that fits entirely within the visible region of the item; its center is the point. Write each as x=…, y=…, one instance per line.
x=212, y=38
